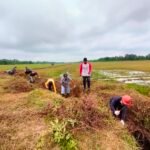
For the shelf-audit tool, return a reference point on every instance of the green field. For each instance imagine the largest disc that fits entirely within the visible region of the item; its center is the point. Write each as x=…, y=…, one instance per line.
x=74, y=68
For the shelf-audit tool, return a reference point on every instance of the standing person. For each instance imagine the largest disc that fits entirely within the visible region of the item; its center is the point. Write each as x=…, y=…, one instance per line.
x=65, y=85
x=119, y=106
x=85, y=72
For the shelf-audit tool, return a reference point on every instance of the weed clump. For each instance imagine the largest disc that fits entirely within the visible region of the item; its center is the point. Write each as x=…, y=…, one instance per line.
x=61, y=135
x=86, y=111
x=76, y=91
x=17, y=85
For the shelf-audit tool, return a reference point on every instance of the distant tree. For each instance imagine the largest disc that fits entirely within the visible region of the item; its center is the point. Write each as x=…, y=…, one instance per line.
x=52, y=63
x=130, y=57
x=148, y=56
x=126, y=57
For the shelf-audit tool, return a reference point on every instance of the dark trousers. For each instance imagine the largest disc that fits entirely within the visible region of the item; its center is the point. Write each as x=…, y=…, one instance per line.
x=50, y=86
x=86, y=82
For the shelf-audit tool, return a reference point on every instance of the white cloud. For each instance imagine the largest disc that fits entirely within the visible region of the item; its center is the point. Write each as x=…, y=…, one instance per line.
x=64, y=30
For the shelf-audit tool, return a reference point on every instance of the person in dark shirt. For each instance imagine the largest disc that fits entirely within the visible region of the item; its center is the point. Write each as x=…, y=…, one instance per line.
x=27, y=71
x=31, y=74
x=12, y=71
x=119, y=106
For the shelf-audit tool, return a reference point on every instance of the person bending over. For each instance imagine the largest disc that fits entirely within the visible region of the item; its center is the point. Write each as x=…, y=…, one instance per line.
x=119, y=106
x=32, y=74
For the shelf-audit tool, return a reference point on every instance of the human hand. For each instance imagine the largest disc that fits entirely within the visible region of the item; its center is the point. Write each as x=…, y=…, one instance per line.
x=117, y=112
x=122, y=122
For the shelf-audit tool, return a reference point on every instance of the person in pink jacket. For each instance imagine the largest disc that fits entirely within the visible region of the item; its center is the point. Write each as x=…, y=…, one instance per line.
x=85, y=72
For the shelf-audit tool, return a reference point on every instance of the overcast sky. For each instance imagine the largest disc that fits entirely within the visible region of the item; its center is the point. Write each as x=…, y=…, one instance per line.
x=68, y=30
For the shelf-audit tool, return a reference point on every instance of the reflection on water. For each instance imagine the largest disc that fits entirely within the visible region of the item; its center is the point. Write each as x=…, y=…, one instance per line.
x=126, y=76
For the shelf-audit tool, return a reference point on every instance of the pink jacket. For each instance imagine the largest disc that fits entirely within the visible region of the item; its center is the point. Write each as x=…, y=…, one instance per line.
x=85, y=69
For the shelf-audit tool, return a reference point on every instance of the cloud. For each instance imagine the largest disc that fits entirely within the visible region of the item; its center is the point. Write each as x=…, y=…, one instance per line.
x=67, y=30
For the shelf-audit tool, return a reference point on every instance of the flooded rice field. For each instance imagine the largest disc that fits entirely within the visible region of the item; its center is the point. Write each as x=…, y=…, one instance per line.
x=126, y=76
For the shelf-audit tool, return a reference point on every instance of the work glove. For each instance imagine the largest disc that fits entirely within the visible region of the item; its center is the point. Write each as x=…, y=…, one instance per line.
x=122, y=122
x=117, y=112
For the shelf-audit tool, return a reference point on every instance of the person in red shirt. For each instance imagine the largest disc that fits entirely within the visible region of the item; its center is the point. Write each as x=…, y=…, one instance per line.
x=85, y=72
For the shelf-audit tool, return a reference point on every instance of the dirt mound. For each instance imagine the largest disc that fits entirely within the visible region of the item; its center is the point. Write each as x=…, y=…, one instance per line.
x=85, y=110
x=76, y=91
x=140, y=112
x=76, y=88
x=139, y=121
x=58, y=85
x=40, y=82
x=19, y=73
x=17, y=85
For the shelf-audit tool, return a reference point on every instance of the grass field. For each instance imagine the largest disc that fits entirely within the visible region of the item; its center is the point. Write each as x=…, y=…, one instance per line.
x=128, y=65
x=31, y=117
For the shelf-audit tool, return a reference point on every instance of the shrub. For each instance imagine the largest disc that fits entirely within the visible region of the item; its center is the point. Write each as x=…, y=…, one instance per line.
x=61, y=136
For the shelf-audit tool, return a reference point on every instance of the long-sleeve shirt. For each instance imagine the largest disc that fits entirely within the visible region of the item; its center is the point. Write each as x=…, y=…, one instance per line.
x=53, y=83
x=65, y=81
x=28, y=71
x=85, y=69
x=115, y=104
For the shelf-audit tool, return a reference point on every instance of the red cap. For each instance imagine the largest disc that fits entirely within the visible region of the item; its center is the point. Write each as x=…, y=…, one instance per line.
x=126, y=100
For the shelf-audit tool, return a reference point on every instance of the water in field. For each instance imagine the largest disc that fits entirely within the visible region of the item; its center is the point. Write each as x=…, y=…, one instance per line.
x=138, y=77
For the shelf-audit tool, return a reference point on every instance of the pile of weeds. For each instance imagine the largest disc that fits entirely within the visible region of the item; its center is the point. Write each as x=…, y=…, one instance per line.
x=42, y=99
x=76, y=88
x=76, y=91
x=139, y=121
x=86, y=111
x=17, y=85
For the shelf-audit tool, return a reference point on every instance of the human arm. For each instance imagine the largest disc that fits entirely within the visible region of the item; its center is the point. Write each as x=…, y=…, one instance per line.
x=90, y=68
x=80, y=69
x=46, y=84
x=115, y=105
x=112, y=105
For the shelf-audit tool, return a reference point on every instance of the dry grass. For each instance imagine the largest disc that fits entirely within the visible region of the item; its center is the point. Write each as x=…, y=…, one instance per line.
x=17, y=85
x=20, y=126
x=25, y=113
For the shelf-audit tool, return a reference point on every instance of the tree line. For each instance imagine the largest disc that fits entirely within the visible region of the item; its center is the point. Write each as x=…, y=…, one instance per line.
x=15, y=61
x=126, y=57
x=115, y=58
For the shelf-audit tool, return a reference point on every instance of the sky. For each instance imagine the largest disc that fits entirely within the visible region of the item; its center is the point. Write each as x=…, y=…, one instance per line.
x=69, y=30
